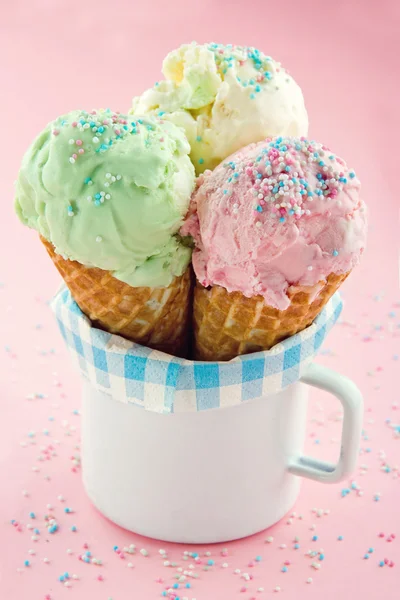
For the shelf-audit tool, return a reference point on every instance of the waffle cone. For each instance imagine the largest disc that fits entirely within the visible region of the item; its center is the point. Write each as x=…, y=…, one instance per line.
x=154, y=317
x=229, y=324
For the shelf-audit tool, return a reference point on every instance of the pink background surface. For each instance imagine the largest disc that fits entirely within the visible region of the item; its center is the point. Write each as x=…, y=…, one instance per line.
x=57, y=55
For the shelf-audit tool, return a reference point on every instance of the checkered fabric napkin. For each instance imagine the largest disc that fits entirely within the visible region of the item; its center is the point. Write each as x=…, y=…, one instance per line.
x=162, y=383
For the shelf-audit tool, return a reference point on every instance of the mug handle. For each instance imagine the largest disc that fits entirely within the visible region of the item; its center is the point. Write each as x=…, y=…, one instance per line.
x=351, y=399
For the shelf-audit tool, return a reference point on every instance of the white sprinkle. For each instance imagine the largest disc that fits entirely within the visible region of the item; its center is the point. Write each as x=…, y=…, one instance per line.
x=108, y=175
x=260, y=589
x=236, y=571
x=71, y=141
x=161, y=551
x=67, y=584
x=99, y=238
x=108, y=196
x=224, y=565
x=309, y=268
x=31, y=552
x=119, y=177
x=69, y=551
x=74, y=576
x=25, y=493
x=35, y=538
x=95, y=139
x=130, y=565
x=282, y=546
x=310, y=580
x=61, y=498
x=144, y=552
x=113, y=179
x=71, y=160
x=289, y=521
x=46, y=560
x=132, y=546
x=166, y=563
x=277, y=588
x=269, y=540
x=207, y=553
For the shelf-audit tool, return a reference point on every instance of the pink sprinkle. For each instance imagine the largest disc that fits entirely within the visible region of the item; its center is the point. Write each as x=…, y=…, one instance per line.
x=56, y=132
x=47, y=597
x=243, y=589
x=161, y=139
x=100, y=578
x=381, y=534
x=386, y=560
x=287, y=563
x=105, y=122
x=392, y=536
x=251, y=564
x=122, y=555
x=391, y=564
x=159, y=580
x=74, y=124
x=78, y=142
x=86, y=545
x=74, y=156
x=224, y=553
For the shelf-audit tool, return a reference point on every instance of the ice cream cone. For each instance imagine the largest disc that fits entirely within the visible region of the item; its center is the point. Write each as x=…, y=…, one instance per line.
x=154, y=317
x=229, y=324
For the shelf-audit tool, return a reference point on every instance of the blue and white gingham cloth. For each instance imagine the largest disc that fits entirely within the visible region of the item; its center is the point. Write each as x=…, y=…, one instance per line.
x=162, y=383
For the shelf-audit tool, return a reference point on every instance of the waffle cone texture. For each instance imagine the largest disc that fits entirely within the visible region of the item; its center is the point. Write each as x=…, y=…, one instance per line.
x=229, y=324
x=154, y=317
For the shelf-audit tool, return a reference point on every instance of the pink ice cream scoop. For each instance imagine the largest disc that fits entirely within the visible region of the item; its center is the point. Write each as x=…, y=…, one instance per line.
x=282, y=212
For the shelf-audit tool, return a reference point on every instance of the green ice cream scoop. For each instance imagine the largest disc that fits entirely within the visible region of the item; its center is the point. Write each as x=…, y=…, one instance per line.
x=110, y=191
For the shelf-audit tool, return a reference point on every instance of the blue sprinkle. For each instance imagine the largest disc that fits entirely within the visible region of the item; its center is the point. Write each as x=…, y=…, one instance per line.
x=201, y=161
x=210, y=562
x=87, y=180
x=61, y=578
x=314, y=538
x=92, y=123
x=100, y=129
x=268, y=75
x=258, y=558
x=370, y=550
x=86, y=559
x=67, y=510
x=36, y=531
x=225, y=191
x=366, y=556
x=27, y=563
x=32, y=515
x=176, y=586
x=282, y=220
x=335, y=253
x=188, y=586
x=195, y=555
x=352, y=175
x=198, y=138
x=13, y=521
x=259, y=208
x=164, y=593
x=392, y=314
x=321, y=556
x=381, y=564
x=321, y=163
x=252, y=96
x=115, y=548
x=73, y=528
x=340, y=538
x=66, y=575
x=296, y=546
x=284, y=569
x=257, y=88
x=88, y=553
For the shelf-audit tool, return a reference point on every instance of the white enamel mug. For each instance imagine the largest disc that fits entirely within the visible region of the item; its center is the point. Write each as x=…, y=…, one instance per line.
x=210, y=476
